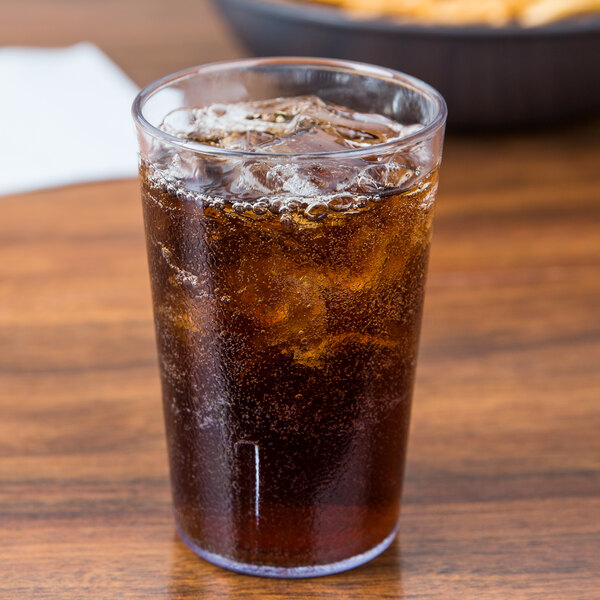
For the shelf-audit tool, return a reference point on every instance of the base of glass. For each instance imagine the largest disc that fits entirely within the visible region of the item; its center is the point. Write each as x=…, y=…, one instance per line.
x=290, y=572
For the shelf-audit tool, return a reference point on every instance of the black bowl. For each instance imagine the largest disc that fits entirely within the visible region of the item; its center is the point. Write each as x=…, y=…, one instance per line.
x=490, y=76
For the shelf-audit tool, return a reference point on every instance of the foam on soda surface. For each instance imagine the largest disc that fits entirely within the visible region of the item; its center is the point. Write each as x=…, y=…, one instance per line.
x=278, y=182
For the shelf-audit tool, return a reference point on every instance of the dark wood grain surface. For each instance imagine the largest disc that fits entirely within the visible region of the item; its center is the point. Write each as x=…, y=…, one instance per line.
x=502, y=497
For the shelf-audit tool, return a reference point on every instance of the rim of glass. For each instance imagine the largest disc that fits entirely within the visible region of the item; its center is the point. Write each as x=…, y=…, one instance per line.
x=366, y=69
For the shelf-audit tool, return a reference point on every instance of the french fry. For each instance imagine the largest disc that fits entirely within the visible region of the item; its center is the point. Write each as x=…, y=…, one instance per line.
x=529, y=13
x=467, y=12
x=542, y=12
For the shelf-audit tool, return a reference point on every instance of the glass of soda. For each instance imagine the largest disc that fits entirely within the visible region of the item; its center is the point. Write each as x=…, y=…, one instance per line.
x=288, y=207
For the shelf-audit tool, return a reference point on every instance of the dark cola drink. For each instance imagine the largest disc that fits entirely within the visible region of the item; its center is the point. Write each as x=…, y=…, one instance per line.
x=288, y=292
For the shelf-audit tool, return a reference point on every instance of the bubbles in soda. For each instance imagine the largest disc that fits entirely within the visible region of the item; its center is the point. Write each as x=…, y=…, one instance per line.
x=288, y=293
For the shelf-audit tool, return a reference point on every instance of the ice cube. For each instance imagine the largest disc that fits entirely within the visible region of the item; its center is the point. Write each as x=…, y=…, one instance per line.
x=384, y=175
x=302, y=124
x=281, y=127
x=357, y=129
x=321, y=138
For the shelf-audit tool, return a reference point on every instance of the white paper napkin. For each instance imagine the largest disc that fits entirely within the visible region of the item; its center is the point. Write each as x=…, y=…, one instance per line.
x=64, y=118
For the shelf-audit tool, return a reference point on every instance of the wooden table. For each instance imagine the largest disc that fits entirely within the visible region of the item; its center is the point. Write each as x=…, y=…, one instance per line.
x=502, y=497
